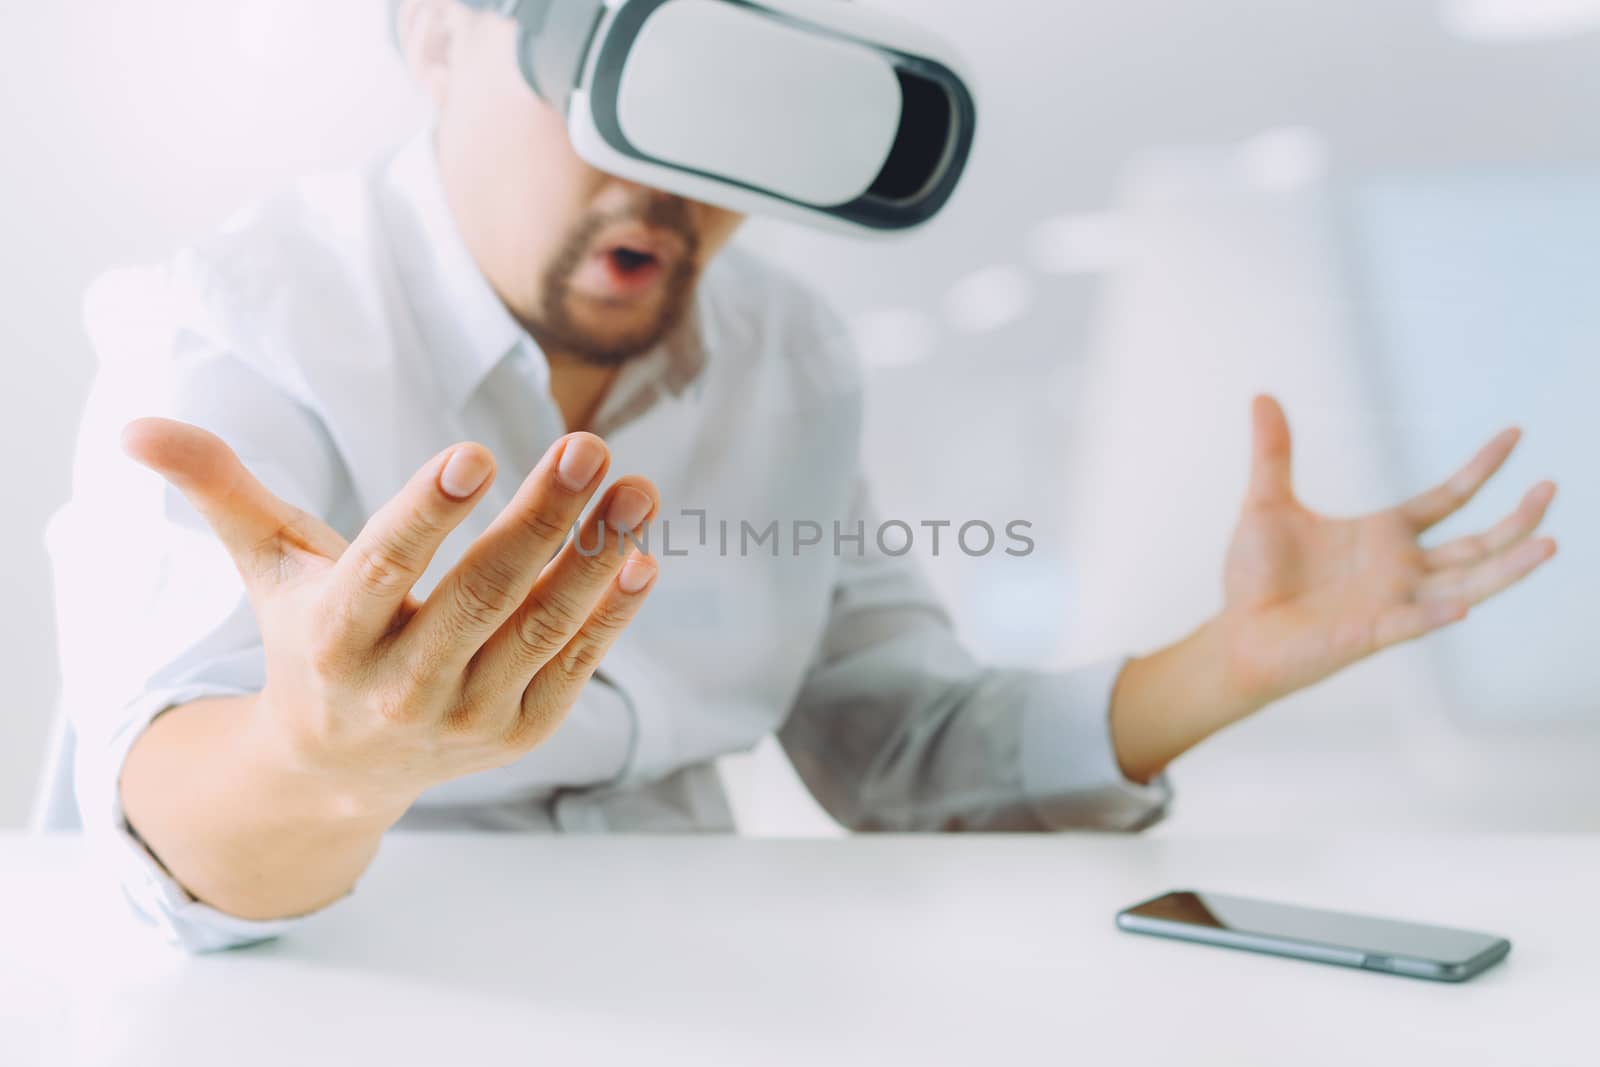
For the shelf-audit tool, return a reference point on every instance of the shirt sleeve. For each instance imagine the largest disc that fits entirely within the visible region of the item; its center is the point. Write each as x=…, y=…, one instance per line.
x=897, y=728
x=151, y=613
x=154, y=894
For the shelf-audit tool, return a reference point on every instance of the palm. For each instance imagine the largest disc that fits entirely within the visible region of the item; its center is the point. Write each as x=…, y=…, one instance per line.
x=1309, y=595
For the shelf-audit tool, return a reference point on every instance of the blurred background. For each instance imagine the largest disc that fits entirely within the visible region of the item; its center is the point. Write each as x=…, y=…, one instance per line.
x=1386, y=212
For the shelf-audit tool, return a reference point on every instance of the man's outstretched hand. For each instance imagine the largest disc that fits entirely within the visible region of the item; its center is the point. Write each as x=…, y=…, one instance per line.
x=1308, y=595
x=388, y=694
x=372, y=695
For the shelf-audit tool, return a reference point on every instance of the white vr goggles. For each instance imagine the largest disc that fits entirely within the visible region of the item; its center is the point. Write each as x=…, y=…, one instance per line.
x=812, y=110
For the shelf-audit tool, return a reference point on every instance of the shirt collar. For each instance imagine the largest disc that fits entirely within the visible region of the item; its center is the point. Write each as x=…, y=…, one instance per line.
x=467, y=329
x=669, y=369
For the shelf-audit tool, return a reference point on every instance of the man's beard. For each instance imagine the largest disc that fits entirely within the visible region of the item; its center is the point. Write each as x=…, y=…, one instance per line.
x=558, y=330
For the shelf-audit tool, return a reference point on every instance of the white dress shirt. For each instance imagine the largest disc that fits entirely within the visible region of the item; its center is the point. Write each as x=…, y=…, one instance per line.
x=338, y=336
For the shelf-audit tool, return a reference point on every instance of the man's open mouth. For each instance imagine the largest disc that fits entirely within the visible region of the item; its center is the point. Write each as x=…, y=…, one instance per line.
x=628, y=271
x=629, y=261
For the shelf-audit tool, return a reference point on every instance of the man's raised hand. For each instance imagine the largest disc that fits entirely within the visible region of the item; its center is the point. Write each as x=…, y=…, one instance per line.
x=1309, y=595
x=382, y=695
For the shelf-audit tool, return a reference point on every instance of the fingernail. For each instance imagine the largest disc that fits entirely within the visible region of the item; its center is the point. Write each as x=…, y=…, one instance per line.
x=628, y=509
x=465, y=474
x=636, y=574
x=580, y=462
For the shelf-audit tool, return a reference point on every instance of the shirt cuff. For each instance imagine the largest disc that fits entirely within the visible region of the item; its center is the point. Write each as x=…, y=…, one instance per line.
x=155, y=895
x=1069, y=763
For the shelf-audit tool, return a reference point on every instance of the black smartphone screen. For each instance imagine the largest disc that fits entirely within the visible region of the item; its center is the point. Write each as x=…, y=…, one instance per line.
x=1265, y=926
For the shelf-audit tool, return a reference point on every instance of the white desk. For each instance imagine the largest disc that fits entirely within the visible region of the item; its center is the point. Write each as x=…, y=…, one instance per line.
x=476, y=950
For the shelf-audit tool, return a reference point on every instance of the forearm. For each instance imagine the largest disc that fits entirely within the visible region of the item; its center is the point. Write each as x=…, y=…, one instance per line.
x=236, y=823
x=1167, y=703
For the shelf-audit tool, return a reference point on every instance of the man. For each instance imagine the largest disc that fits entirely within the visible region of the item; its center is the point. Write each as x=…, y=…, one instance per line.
x=358, y=636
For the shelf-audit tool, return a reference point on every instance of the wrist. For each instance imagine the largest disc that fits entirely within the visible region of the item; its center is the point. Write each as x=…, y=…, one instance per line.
x=1167, y=703
x=1228, y=691
x=314, y=786
x=1251, y=660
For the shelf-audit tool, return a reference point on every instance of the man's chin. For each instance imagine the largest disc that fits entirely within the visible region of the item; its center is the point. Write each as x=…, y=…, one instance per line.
x=609, y=328
x=604, y=316
x=606, y=336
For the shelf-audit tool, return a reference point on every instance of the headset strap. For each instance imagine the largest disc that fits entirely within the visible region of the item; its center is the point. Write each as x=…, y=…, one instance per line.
x=553, y=38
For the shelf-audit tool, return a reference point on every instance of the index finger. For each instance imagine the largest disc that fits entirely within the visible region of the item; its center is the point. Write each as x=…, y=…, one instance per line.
x=375, y=574
x=496, y=573
x=1429, y=509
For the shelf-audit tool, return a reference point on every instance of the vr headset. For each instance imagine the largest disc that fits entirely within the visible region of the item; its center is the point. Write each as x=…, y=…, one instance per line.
x=816, y=111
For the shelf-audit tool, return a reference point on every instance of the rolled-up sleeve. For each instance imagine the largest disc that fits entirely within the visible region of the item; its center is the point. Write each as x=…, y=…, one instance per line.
x=151, y=613
x=898, y=728
x=154, y=894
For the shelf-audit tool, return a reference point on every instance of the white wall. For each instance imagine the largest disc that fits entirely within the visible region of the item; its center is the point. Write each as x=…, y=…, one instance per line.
x=126, y=127
x=1032, y=320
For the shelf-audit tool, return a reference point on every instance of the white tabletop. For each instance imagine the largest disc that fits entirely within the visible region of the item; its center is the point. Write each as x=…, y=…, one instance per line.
x=518, y=950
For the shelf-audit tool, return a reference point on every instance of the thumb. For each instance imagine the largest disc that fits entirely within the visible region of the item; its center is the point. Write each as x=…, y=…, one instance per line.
x=1271, y=464
x=260, y=531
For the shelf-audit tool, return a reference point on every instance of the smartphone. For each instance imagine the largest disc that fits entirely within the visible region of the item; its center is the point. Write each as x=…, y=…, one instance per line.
x=1412, y=949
